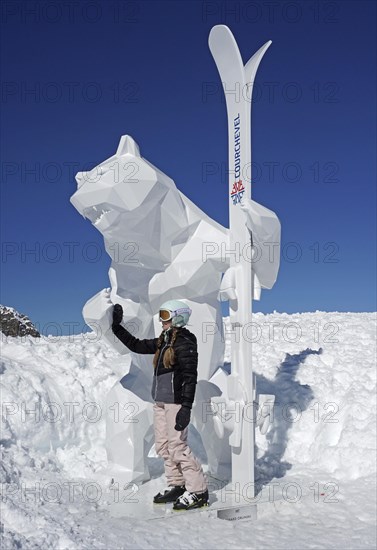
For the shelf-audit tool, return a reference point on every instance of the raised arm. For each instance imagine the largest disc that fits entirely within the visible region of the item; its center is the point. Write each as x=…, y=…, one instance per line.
x=133, y=344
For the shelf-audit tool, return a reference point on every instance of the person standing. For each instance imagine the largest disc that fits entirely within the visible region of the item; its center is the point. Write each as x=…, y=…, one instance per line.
x=175, y=365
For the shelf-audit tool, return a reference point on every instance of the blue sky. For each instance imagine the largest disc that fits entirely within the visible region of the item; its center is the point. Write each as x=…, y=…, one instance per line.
x=78, y=75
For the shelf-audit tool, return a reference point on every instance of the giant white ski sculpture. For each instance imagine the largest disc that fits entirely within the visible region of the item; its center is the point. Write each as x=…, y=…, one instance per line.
x=243, y=280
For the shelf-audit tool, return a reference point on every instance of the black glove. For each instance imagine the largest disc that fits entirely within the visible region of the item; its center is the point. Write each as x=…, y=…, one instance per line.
x=117, y=314
x=182, y=420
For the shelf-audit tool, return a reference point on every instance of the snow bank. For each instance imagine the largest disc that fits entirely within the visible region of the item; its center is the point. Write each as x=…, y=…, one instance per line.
x=325, y=388
x=320, y=366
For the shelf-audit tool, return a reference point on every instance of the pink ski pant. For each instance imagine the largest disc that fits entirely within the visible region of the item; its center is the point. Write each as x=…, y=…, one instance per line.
x=181, y=466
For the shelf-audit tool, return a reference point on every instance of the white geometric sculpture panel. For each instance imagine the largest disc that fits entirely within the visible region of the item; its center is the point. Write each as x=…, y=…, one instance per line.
x=162, y=247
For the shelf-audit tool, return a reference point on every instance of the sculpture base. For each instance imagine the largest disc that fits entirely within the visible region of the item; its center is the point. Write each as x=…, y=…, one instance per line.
x=136, y=501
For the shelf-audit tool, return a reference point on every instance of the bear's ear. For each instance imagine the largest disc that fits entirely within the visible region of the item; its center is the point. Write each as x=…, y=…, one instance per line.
x=79, y=177
x=127, y=146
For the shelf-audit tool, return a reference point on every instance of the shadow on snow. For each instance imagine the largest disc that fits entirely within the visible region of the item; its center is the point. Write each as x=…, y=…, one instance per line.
x=291, y=399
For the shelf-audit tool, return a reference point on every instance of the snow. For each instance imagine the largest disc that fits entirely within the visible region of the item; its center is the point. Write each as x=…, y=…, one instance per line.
x=319, y=456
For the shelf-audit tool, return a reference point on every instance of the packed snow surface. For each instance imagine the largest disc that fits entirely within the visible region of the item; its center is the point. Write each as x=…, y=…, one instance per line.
x=320, y=451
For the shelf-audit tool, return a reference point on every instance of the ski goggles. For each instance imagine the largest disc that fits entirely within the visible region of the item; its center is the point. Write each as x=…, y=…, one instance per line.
x=167, y=315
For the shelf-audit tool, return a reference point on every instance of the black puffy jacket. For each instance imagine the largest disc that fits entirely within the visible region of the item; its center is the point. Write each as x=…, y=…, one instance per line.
x=177, y=383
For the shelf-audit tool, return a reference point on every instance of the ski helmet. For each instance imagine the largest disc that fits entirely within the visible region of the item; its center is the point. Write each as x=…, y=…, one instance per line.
x=176, y=311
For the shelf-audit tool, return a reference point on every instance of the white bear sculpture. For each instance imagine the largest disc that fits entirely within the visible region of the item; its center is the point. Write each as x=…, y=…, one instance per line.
x=162, y=247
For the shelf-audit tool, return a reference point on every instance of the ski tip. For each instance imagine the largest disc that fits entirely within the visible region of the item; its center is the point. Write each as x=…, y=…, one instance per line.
x=218, y=31
x=218, y=28
x=262, y=50
x=253, y=63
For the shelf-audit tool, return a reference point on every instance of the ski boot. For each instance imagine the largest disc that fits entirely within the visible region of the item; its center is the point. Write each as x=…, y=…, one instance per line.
x=170, y=494
x=188, y=500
